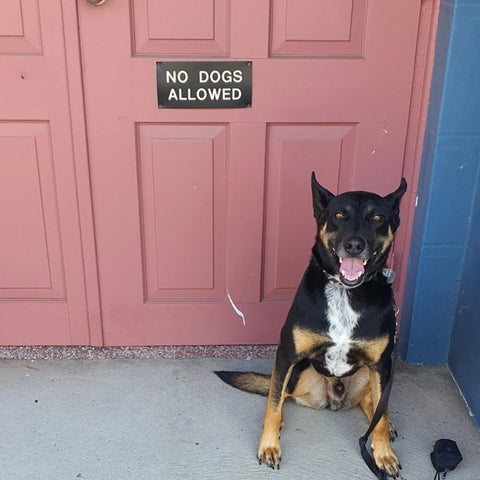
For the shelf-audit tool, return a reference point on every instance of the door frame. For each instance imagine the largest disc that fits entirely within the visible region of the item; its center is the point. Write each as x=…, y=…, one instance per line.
x=424, y=58
x=419, y=107
x=82, y=172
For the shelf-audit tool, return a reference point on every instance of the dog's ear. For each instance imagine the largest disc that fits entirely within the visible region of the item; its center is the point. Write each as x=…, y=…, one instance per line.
x=393, y=200
x=321, y=197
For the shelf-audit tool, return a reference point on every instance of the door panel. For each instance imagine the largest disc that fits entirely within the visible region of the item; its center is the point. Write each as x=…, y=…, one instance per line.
x=42, y=286
x=293, y=151
x=183, y=211
x=181, y=27
x=318, y=27
x=33, y=267
x=193, y=207
x=20, y=27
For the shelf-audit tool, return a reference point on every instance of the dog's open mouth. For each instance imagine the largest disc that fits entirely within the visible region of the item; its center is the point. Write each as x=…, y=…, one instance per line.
x=351, y=270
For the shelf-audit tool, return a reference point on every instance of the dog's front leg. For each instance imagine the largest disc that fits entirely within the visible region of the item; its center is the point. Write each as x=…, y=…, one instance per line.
x=269, y=451
x=383, y=453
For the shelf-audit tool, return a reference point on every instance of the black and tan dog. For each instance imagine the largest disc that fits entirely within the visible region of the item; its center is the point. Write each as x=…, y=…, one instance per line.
x=335, y=349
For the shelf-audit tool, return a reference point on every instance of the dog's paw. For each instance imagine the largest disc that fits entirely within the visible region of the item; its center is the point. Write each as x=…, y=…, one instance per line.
x=270, y=456
x=386, y=459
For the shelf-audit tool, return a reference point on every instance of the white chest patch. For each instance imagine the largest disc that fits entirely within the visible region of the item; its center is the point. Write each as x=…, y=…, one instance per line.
x=342, y=319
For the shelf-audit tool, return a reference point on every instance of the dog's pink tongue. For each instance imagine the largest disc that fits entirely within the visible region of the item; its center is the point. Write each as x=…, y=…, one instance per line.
x=352, y=268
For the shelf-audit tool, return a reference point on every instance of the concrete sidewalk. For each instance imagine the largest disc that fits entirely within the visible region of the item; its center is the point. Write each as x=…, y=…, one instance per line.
x=174, y=419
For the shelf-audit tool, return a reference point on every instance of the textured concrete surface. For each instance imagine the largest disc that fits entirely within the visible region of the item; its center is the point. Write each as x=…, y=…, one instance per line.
x=170, y=351
x=132, y=419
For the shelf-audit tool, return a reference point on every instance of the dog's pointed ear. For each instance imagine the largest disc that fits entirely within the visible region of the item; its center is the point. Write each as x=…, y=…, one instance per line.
x=393, y=199
x=321, y=197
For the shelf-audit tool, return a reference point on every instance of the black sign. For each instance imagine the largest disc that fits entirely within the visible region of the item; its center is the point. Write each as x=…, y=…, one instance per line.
x=204, y=84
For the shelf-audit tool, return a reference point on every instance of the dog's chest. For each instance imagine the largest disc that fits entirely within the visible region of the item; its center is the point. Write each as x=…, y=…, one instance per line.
x=342, y=321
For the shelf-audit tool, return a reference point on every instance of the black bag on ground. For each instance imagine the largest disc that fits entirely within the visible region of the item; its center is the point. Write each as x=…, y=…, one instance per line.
x=445, y=456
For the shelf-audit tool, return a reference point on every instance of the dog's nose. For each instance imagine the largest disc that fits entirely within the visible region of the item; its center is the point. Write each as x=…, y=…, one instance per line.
x=354, y=245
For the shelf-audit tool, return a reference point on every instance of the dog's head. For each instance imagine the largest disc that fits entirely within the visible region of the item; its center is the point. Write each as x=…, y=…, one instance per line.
x=355, y=231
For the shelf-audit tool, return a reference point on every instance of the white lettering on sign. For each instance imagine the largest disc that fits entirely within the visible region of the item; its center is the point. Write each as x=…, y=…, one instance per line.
x=174, y=76
x=227, y=76
x=202, y=94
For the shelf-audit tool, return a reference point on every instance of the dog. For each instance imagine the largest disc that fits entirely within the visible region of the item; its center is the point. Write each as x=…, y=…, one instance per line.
x=335, y=348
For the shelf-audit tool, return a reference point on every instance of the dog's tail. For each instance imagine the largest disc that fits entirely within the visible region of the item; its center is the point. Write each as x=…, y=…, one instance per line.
x=247, y=381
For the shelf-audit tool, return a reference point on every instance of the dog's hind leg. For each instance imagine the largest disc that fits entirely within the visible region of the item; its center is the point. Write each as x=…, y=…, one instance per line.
x=269, y=450
x=310, y=388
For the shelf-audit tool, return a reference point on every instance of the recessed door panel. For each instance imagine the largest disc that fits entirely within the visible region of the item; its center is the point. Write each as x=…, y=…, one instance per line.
x=318, y=27
x=182, y=185
x=33, y=267
x=180, y=27
x=20, y=27
x=294, y=151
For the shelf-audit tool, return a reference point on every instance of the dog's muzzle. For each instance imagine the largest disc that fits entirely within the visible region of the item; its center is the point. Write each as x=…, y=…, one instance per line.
x=353, y=256
x=352, y=269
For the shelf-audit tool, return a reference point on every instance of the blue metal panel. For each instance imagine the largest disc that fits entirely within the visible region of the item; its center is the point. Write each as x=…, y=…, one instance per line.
x=441, y=319
x=414, y=329
x=451, y=185
x=437, y=281
x=464, y=359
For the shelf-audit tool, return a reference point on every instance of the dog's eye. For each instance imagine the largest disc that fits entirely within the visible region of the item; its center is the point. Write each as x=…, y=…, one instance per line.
x=377, y=218
x=339, y=215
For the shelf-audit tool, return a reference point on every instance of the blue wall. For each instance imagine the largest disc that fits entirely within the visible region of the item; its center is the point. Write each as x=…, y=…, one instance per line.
x=464, y=359
x=441, y=317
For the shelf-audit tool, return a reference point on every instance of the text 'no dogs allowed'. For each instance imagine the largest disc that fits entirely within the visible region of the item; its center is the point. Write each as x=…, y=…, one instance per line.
x=204, y=84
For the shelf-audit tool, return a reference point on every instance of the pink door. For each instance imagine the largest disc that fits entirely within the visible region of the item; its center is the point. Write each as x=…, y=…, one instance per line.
x=42, y=286
x=197, y=207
